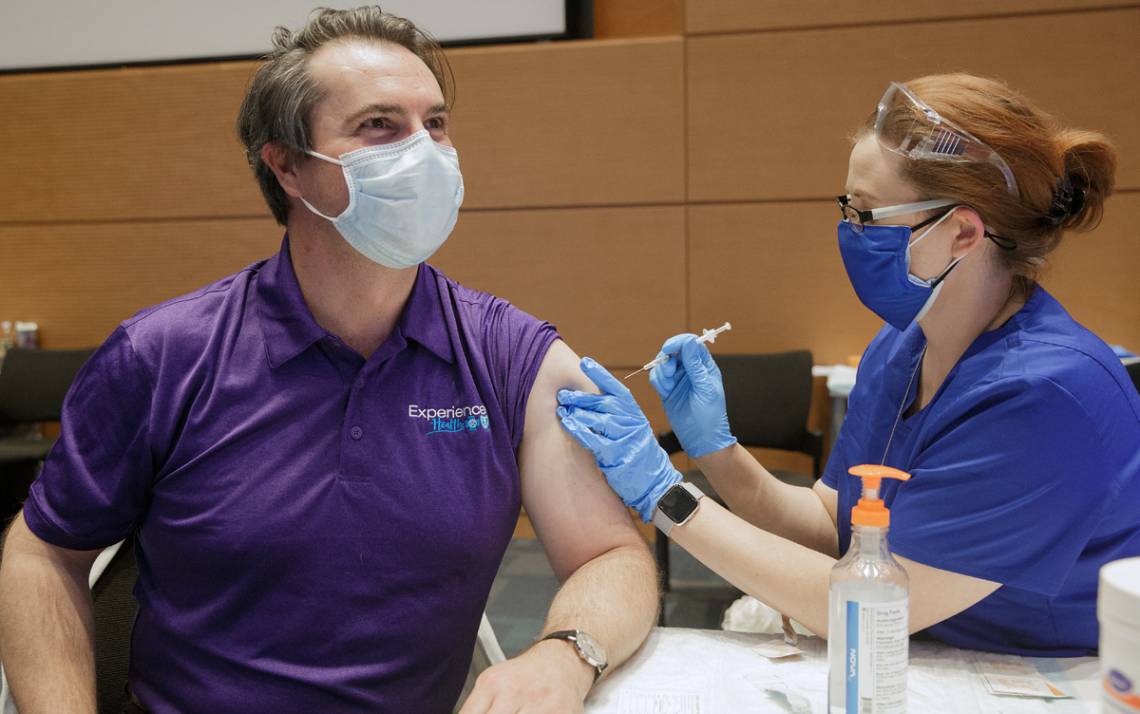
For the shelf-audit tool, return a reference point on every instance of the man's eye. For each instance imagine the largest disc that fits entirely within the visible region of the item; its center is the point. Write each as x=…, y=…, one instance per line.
x=377, y=123
x=437, y=123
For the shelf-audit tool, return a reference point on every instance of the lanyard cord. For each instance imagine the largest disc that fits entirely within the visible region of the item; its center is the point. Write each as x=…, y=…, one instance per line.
x=902, y=405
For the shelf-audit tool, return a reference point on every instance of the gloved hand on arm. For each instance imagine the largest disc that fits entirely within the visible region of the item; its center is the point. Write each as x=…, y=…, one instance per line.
x=614, y=429
x=691, y=388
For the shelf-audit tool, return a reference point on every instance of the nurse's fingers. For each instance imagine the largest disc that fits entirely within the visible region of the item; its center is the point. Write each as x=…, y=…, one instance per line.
x=698, y=361
x=663, y=378
x=592, y=442
x=605, y=403
x=673, y=345
x=602, y=424
x=605, y=381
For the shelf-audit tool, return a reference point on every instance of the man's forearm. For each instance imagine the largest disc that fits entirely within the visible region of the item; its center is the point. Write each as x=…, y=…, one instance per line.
x=754, y=494
x=46, y=630
x=613, y=597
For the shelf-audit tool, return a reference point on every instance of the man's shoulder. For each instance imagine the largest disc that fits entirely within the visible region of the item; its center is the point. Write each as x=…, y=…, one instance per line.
x=473, y=298
x=179, y=320
x=478, y=307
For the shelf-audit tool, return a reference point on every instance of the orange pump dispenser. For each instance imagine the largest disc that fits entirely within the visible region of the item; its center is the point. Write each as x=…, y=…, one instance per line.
x=870, y=510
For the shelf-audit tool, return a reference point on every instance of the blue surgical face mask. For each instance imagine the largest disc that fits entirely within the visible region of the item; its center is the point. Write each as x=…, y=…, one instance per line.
x=878, y=264
x=403, y=199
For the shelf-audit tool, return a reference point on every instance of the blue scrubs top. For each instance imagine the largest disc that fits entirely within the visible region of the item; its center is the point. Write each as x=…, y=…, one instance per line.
x=1025, y=470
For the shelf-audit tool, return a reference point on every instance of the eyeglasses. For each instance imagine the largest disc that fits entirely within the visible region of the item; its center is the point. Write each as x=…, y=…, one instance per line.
x=857, y=218
x=908, y=126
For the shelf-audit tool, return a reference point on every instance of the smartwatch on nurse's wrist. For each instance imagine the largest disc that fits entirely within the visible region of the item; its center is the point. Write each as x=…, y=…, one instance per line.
x=677, y=506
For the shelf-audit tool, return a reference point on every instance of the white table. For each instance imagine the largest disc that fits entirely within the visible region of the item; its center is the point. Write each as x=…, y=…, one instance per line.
x=721, y=674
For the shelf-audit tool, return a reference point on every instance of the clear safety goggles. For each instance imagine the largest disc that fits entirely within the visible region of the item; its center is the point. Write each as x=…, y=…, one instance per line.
x=908, y=126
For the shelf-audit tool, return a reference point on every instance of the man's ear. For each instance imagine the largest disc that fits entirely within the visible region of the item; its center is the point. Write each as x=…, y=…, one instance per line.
x=970, y=229
x=284, y=164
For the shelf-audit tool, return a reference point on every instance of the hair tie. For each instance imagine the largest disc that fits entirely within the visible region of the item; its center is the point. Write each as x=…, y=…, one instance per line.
x=1068, y=200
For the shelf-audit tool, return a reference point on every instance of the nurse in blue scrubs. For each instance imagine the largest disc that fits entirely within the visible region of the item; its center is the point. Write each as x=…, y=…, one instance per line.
x=1020, y=428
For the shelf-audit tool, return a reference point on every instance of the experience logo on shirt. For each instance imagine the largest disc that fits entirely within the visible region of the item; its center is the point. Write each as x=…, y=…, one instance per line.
x=452, y=420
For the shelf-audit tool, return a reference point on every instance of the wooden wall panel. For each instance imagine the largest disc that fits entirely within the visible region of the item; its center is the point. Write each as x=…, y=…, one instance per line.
x=611, y=279
x=80, y=281
x=774, y=271
x=536, y=125
x=770, y=114
x=706, y=16
x=580, y=123
x=629, y=18
x=1095, y=275
x=124, y=144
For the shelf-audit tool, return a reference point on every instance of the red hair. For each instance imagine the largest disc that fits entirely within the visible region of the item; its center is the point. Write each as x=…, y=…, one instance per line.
x=1063, y=175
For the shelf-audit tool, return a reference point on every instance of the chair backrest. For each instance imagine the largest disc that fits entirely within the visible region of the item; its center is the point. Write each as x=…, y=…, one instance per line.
x=115, y=609
x=33, y=383
x=768, y=397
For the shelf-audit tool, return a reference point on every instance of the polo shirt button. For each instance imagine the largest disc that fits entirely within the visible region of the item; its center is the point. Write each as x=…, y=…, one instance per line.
x=356, y=433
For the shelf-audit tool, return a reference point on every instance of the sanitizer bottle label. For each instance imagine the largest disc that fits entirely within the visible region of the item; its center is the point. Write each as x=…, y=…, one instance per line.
x=875, y=657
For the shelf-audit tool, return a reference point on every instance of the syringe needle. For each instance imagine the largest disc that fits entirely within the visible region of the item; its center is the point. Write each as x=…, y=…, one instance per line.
x=706, y=336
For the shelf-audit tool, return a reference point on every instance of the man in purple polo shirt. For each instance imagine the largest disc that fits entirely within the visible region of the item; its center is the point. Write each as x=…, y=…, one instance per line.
x=323, y=456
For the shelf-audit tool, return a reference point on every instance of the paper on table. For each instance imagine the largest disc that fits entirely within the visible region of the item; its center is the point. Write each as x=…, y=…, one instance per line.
x=936, y=675
x=777, y=649
x=659, y=703
x=1012, y=676
x=1018, y=686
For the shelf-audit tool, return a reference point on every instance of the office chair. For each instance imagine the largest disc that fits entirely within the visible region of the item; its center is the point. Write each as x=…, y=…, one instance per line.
x=1133, y=369
x=768, y=397
x=115, y=610
x=33, y=384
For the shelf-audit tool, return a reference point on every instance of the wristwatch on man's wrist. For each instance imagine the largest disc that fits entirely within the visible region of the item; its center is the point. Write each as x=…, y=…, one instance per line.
x=677, y=506
x=587, y=648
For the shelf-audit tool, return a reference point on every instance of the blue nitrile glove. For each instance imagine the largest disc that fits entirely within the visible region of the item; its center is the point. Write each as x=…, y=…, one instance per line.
x=691, y=388
x=615, y=430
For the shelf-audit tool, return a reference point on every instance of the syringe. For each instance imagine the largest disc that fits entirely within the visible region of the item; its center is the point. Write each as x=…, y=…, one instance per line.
x=706, y=336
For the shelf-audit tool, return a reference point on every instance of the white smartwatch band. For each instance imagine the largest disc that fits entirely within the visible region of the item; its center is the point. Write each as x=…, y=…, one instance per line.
x=664, y=523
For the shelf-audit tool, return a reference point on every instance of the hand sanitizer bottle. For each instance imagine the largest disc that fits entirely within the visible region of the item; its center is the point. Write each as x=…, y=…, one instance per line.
x=867, y=625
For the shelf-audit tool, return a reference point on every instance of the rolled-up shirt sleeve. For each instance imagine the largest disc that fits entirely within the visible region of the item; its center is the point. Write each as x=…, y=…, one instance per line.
x=95, y=483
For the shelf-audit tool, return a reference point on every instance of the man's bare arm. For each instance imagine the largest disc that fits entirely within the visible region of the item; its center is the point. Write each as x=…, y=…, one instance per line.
x=47, y=624
x=607, y=571
x=609, y=580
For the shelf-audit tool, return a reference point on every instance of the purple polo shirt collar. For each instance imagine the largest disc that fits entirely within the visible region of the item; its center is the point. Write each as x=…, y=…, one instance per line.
x=289, y=328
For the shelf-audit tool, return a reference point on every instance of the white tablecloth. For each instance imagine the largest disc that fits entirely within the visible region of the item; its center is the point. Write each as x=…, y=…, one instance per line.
x=681, y=671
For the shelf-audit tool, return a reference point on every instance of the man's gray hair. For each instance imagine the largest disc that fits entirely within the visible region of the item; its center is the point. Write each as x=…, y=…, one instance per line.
x=282, y=94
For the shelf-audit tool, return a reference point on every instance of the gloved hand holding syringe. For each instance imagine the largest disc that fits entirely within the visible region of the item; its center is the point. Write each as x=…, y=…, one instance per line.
x=706, y=336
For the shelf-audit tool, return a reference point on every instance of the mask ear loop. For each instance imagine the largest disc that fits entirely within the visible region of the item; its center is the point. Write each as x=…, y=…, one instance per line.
x=936, y=287
x=322, y=157
x=931, y=227
x=939, y=280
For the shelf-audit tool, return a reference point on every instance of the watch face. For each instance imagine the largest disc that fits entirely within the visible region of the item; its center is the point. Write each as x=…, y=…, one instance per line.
x=677, y=503
x=590, y=647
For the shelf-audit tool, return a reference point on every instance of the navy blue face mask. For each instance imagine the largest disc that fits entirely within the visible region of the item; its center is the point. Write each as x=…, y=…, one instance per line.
x=877, y=259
